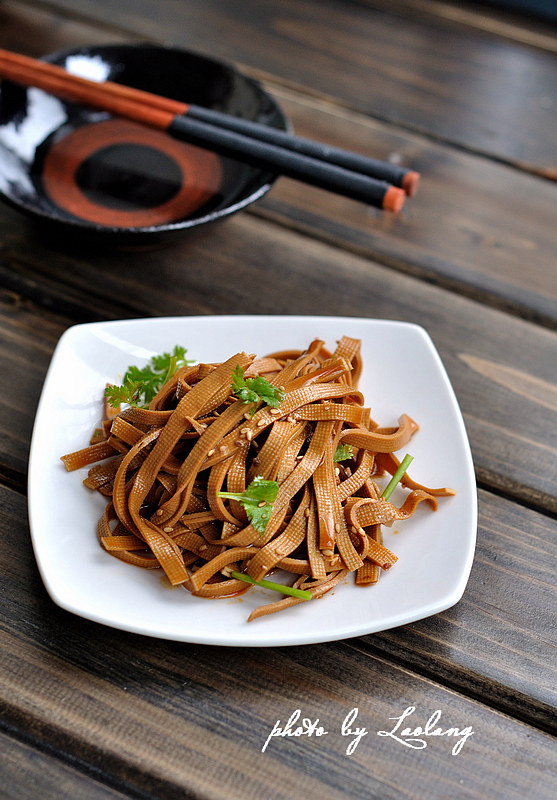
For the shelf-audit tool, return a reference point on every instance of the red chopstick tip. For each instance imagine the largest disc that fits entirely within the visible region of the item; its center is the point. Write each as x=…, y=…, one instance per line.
x=410, y=183
x=394, y=199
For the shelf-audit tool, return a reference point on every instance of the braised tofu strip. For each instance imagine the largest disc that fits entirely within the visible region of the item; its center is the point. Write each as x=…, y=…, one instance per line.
x=187, y=478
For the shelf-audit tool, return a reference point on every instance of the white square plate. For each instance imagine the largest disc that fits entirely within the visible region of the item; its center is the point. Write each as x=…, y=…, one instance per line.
x=402, y=374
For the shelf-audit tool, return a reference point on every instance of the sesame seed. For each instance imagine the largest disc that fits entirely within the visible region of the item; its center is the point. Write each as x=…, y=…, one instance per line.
x=238, y=442
x=211, y=452
x=327, y=553
x=222, y=448
x=203, y=547
x=261, y=423
x=168, y=529
x=337, y=527
x=261, y=504
x=275, y=412
x=306, y=512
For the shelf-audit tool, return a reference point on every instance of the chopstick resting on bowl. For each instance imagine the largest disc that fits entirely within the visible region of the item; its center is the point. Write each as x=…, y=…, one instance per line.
x=377, y=183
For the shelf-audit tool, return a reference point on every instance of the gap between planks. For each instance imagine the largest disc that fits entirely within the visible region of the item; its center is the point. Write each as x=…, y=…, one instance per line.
x=540, y=716
x=507, y=24
x=274, y=83
x=75, y=763
x=276, y=213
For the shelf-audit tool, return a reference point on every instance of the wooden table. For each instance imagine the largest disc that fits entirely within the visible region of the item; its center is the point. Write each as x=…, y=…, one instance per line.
x=469, y=98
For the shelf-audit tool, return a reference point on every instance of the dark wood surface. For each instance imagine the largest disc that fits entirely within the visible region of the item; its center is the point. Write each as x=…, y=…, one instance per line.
x=468, y=96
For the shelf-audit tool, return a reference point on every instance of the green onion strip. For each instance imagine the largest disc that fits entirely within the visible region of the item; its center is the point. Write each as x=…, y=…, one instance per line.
x=277, y=587
x=404, y=464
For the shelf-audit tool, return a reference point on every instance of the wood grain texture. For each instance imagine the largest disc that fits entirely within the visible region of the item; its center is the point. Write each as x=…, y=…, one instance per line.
x=301, y=276
x=468, y=98
x=467, y=229
x=179, y=720
x=478, y=227
x=382, y=63
x=525, y=27
x=515, y=561
x=36, y=30
x=496, y=636
x=30, y=342
x=477, y=240
x=26, y=774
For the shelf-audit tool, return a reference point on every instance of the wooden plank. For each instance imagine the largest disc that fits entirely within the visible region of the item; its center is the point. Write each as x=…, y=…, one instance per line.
x=428, y=75
x=300, y=276
x=516, y=550
x=479, y=16
x=498, y=641
x=162, y=719
x=522, y=665
x=175, y=720
x=27, y=773
x=25, y=352
x=473, y=226
x=33, y=30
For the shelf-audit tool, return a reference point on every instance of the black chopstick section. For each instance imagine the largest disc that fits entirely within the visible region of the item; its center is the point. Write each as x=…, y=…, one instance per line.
x=276, y=151
x=382, y=170
x=287, y=162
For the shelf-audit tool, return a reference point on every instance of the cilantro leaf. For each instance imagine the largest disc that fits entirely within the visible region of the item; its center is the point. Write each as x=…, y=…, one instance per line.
x=161, y=363
x=129, y=392
x=255, y=390
x=257, y=500
x=343, y=452
x=141, y=384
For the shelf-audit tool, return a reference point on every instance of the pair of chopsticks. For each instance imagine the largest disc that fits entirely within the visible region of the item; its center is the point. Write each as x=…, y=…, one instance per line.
x=376, y=183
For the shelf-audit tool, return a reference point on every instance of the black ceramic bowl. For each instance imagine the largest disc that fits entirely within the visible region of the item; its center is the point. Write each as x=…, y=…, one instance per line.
x=88, y=173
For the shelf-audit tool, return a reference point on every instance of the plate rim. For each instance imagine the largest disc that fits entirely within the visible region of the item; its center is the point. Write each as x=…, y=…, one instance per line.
x=259, y=639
